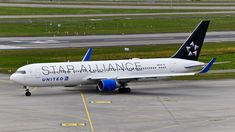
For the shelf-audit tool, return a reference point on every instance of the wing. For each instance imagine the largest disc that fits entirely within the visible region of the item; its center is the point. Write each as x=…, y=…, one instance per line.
x=142, y=76
x=130, y=77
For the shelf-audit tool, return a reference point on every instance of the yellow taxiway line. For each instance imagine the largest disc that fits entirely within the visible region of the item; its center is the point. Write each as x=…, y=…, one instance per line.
x=100, y=102
x=73, y=124
x=87, y=112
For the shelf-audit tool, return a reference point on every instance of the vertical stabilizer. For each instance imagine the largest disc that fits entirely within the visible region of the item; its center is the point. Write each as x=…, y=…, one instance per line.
x=191, y=48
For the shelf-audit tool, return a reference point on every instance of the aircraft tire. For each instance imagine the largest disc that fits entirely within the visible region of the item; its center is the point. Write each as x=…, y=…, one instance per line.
x=124, y=90
x=27, y=94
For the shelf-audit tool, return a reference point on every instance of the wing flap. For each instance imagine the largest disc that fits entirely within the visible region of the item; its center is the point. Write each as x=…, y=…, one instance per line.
x=156, y=76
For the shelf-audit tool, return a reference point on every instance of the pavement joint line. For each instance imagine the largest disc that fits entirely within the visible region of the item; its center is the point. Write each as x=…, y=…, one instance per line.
x=184, y=124
x=87, y=112
x=166, y=108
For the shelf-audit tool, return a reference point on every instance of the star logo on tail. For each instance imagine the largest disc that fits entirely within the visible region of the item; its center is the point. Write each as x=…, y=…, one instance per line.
x=192, y=49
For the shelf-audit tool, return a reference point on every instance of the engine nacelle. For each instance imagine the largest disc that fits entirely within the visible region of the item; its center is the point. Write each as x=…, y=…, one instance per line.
x=107, y=85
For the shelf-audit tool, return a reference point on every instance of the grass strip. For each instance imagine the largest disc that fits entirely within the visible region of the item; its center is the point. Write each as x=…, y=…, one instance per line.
x=111, y=25
x=10, y=60
x=63, y=11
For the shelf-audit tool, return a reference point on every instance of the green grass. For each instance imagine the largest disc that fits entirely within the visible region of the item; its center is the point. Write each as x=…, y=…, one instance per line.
x=10, y=60
x=62, y=11
x=206, y=76
x=156, y=3
x=111, y=25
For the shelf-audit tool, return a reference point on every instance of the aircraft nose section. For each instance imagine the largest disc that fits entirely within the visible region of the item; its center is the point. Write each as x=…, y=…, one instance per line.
x=16, y=78
x=13, y=77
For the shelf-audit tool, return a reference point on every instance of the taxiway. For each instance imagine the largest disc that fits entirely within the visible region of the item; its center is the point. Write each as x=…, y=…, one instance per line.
x=107, y=40
x=118, y=15
x=217, y=7
x=206, y=105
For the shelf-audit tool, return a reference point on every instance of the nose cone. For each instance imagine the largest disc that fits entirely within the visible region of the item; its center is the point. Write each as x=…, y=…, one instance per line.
x=16, y=78
x=13, y=77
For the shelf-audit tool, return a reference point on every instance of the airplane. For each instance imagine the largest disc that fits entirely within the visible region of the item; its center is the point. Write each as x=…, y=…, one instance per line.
x=114, y=75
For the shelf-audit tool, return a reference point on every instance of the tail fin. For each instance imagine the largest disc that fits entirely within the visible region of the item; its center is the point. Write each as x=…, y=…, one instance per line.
x=191, y=48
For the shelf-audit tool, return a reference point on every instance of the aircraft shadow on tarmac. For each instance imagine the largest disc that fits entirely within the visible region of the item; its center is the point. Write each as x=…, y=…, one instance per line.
x=140, y=91
x=135, y=92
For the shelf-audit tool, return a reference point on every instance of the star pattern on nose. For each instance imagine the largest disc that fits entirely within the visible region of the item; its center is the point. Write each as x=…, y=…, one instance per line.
x=192, y=49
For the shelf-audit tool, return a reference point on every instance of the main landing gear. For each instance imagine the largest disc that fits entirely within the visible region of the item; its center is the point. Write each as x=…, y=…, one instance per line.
x=27, y=92
x=124, y=89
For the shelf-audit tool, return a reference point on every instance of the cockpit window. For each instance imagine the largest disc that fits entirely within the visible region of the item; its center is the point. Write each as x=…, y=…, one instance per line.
x=21, y=72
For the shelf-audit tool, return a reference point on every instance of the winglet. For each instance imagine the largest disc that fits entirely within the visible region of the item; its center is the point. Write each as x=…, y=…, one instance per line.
x=87, y=55
x=208, y=66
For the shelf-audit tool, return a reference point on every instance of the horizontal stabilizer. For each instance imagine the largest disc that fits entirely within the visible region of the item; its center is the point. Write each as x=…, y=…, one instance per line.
x=194, y=66
x=222, y=62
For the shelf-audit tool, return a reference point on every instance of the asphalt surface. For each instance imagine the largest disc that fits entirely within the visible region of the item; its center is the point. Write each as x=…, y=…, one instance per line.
x=166, y=106
x=107, y=40
x=119, y=7
x=116, y=15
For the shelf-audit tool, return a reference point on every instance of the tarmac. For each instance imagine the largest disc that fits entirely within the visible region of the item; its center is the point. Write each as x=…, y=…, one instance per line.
x=160, y=105
x=217, y=7
x=107, y=40
x=225, y=13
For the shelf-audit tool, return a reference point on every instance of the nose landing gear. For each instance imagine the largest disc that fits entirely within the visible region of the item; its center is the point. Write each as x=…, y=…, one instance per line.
x=27, y=92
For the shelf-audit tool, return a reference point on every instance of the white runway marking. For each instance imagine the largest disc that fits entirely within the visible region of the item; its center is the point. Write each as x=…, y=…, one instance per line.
x=45, y=42
x=10, y=47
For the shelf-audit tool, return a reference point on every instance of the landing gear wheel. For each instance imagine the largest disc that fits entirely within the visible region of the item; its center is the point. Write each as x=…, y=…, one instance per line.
x=124, y=90
x=27, y=94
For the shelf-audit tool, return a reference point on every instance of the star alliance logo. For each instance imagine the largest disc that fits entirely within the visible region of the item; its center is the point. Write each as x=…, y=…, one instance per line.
x=192, y=49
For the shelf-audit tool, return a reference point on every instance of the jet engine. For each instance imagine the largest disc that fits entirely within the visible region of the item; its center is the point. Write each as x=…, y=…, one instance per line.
x=107, y=85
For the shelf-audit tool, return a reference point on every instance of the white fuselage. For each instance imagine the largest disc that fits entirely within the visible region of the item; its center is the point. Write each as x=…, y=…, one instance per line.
x=75, y=73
